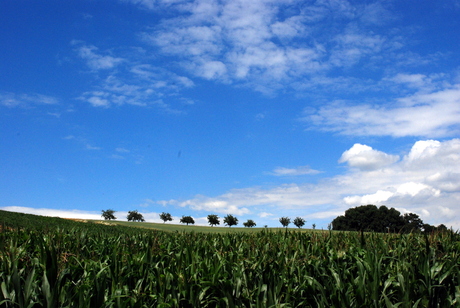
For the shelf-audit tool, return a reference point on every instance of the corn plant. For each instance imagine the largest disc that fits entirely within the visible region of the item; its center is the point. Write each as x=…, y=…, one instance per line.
x=58, y=263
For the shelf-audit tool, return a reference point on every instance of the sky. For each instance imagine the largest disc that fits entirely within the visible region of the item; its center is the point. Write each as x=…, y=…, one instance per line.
x=256, y=108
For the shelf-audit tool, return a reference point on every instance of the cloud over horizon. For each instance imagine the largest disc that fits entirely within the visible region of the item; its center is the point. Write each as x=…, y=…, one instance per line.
x=425, y=181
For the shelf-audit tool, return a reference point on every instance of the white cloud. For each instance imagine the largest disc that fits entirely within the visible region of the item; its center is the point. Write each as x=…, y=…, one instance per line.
x=139, y=85
x=83, y=142
x=435, y=114
x=365, y=158
x=54, y=212
x=122, y=150
x=265, y=44
x=265, y=214
x=93, y=59
x=425, y=182
x=302, y=170
x=414, y=189
x=9, y=99
x=412, y=80
x=377, y=198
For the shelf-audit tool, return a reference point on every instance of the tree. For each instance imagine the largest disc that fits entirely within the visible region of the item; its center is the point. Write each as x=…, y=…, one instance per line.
x=412, y=223
x=213, y=220
x=382, y=219
x=285, y=221
x=299, y=222
x=108, y=214
x=165, y=217
x=230, y=220
x=314, y=226
x=250, y=223
x=135, y=216
x=187, y=220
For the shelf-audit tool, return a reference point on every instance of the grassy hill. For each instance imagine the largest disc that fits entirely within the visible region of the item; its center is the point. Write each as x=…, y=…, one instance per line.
x=14, y=219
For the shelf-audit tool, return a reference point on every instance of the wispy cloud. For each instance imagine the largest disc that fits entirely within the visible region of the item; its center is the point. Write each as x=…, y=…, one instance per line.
x=83, y=141
x=435, y=114
x=93, y=58
x=269, y=44
x=126, y=80
x=11, y=100
x=302, y=170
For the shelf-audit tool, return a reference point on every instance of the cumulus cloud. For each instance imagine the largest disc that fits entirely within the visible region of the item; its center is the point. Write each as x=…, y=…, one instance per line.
x=365, y=158
x=424, y=181
x=435, y=114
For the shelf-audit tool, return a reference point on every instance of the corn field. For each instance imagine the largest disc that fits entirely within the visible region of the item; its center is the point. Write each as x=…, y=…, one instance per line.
x=49, y=262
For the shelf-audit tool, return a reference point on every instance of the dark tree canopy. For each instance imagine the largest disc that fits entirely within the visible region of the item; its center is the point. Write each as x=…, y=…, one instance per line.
x=412, y=222
x=249, y=224
x=285, y=221
x=187, y=220
x=371, y=218
x=108, y=214
x=213, y=220
x=165, y=217
x=299, y=222
x=135, y=216
x=230, y=220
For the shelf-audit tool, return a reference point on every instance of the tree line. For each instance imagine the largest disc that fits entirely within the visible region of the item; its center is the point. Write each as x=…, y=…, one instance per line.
x=381, y=219
x=213, y=219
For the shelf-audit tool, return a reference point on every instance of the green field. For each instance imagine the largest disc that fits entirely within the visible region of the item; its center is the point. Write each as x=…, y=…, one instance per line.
x=52, y=262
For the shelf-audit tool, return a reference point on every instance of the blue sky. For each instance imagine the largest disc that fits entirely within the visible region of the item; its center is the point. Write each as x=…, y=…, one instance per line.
x=260, y=109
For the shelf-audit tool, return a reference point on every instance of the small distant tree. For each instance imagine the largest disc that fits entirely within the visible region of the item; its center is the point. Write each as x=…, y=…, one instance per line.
x=285, y=221
x=108, y=214
x=230, y=220
x=187, y=220
x=249, y=224
x=314, y=226
x=135, y=216
x=213, y=220
x=299, y=222
x=165, y=217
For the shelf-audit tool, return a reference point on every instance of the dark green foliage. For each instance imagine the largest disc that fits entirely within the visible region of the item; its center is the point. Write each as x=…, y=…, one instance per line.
x=51, y=262
x=213, y=220
x=108, y=214
x=230, y=220
x=165, y=217
x=285, y=221
x=187, y=220
x=412, y=222
x=135, y=216
x=299, y=222
x=371, y=218
x=249, y=224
